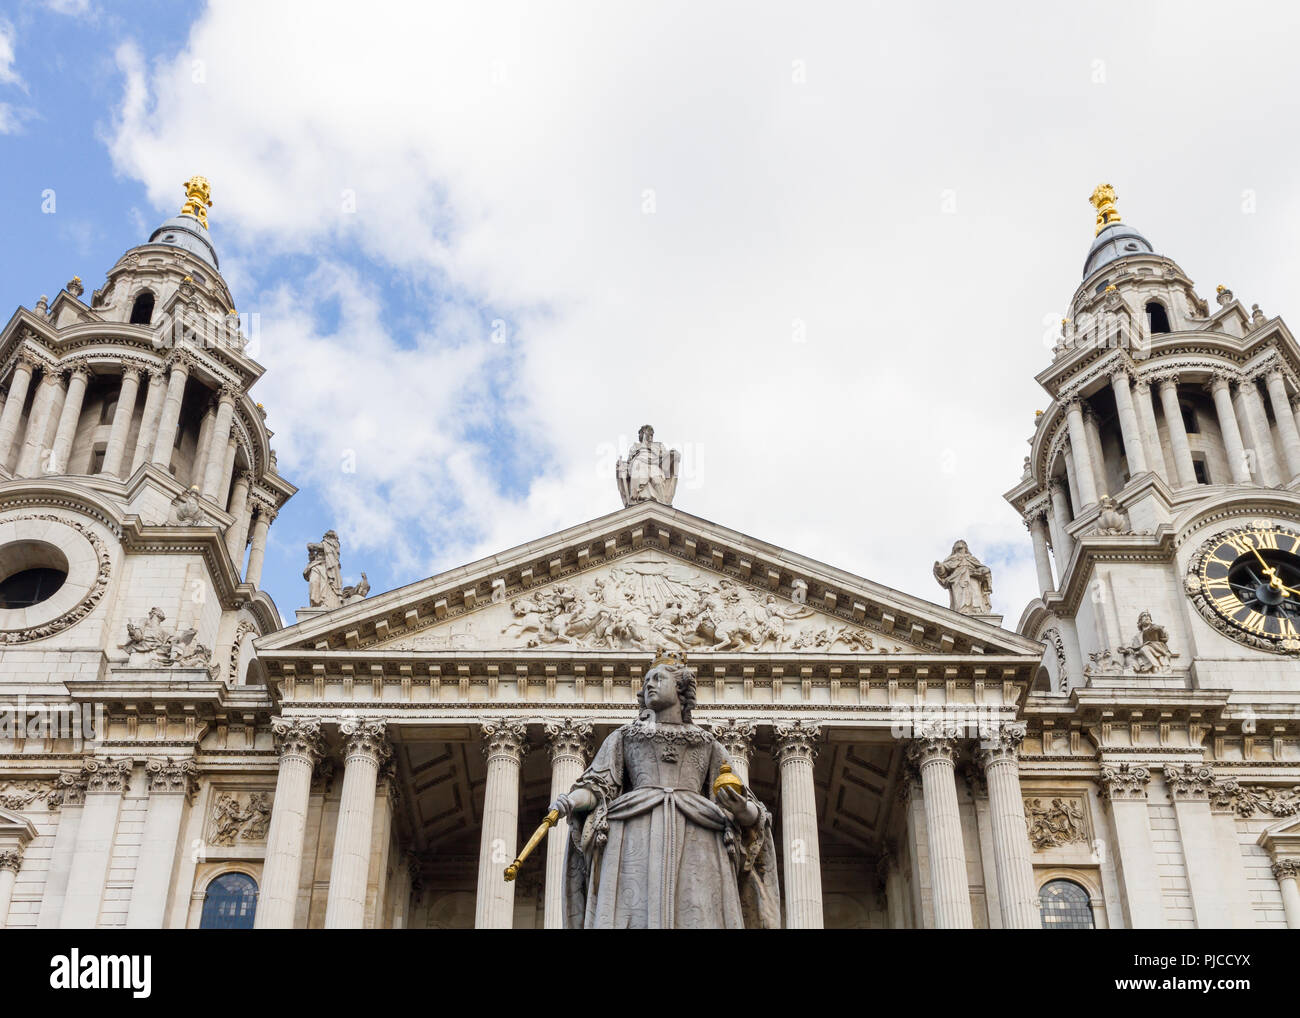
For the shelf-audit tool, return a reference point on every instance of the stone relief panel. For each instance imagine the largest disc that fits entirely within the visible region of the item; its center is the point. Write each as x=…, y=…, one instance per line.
x=649, y=603
x=1056, y=821
x=239, y=817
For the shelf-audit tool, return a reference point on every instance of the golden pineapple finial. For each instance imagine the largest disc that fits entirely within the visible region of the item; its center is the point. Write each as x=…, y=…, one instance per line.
x=1103, y=200
x=198, y=199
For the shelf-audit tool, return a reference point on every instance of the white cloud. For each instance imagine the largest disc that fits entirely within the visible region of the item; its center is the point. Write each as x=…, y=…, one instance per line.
x=860, y=219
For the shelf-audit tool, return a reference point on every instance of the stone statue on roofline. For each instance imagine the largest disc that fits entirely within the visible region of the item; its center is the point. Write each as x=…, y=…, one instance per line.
x=650, y=471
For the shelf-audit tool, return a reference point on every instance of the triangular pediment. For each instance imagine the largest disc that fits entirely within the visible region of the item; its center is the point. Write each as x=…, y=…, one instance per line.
x=642, y=579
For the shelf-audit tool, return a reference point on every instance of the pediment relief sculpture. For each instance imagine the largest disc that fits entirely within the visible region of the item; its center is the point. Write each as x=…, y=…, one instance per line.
x=650, y=603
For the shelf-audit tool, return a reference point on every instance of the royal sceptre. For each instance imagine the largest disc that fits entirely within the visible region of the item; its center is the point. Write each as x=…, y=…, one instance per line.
x=552, y=818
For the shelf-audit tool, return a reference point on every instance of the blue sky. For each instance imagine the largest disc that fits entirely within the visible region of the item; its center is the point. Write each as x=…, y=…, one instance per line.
x=817, y=246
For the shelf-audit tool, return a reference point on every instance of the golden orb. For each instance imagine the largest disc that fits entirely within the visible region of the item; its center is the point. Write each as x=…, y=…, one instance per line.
x=726, y=779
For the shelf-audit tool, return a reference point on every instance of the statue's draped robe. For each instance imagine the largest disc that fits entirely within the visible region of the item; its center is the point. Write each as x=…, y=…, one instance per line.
x=657, y=852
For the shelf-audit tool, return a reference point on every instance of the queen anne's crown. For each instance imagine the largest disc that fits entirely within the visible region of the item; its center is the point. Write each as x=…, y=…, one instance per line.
x=669, y=657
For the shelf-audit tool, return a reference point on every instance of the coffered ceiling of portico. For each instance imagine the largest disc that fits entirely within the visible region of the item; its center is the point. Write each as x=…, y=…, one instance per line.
x=640, y=580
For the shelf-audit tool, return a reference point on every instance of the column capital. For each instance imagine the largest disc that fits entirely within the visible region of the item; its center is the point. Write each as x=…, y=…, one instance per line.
x=1189, y=782
x=167, y=776
x=156, y=373
x=1142, y=384
x=131, y=371
x=1003, y=744
x=69, y=790
x=1124, y=781
x=507, y=737
x=28, y=360
x=735, y=735
x=105, y=775
x=1222, y=380
x=1121, y=373
x=566, y=737
x=11, y=859
x=928, y=746
x=298, y=738
x=81, y=370
x=180, y=361
x=1167, y=380
x=227, y=394
x=365, y=738
x=1034, y=518
x=796, y=740
x=1286, y=869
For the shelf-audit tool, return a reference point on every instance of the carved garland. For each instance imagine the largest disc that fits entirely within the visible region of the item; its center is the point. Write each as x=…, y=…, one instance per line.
x=86, y=605
x=232, y=669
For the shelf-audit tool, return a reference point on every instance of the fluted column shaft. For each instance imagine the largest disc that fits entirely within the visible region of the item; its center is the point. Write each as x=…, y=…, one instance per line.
x=1146, y=415
x=569, y=743
x=1017, y=893
x=1085, y=472
x=1177, y=431
x=1042, y=560
x=1093, y=430
x=257, y=556
x=121, y=422
x=795, y=749
x=11, y=861
x=1129, y=427
x=1261, y=438
x=152, y=414
x=227, y=472
x=299, y=745
x=365, y=748
x=13, y=411
x=203, y=447
x=1287, y=872
x=504, y=745
x=1234, y=449
x=170, y=420
x=1286, y=426
x=171, y=782
x=1064, y=543
x=935, y=757
x=237, y=532
x=38, y=424
x=69, y=415
x=218, y=440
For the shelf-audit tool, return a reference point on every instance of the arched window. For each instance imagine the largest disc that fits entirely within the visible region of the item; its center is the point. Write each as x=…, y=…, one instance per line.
x=1065, y=906
x=1157, y=317
x=230, y=903
x=142, y=309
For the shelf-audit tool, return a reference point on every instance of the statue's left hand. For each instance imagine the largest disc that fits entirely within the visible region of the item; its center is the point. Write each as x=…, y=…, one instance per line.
x=744, y=811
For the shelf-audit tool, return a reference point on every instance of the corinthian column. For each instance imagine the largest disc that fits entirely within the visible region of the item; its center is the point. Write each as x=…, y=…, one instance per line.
x=1042, y=561
x=1124, y=787
x=1146, y=416
x=1063, y=543
x=1086, y=478
x=1129, y=427
x=171, y=786
x=1221, y=391
x=504, y=744
x=570, y=743
x=13, y=411
x=11, y=860
x=737, y=738
x=365, y=747
x=48, y=393
x=1287, y=874
x=299, y=746
x=121, y=422
x=170, y=420
x=218, y=440
x=68, y=418
x=1017, y=895
x=795, y=749
x=153, y=405
x=1177, y=431
x=1261, y=438
x=1286, y=427
x=106, y=780
x=935, y=757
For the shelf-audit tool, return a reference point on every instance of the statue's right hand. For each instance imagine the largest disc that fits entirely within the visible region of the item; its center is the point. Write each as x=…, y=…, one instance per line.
x=563, y=805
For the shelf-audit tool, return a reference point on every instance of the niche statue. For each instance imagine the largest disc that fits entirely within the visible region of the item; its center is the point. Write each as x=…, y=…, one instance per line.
x=662, y=834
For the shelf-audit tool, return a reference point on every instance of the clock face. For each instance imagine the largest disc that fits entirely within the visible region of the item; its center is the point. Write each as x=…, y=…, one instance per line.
x=1248, y=582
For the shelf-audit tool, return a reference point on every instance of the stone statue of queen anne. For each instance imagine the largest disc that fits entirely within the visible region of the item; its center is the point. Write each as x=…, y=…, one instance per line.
x=651, y=844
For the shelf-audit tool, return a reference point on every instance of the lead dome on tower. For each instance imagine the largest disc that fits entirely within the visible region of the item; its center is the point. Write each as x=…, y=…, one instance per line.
x=186, y=232
x=1117, y=240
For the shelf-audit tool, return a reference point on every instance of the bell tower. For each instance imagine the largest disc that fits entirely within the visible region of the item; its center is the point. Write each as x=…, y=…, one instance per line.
x=136, y=471
x=1171, y=422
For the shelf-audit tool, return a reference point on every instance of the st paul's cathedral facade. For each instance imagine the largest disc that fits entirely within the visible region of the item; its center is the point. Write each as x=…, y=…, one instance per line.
x=174, y=755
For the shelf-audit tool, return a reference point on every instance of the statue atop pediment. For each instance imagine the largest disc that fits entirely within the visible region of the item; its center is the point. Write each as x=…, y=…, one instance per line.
x=969, y=581
x=324, y=575
x=650, y=471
